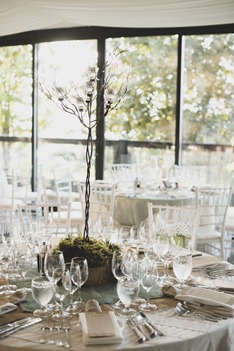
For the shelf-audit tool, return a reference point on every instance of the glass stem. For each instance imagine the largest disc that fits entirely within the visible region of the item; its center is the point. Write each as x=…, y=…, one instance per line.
x=71, y=298
x=78, y=293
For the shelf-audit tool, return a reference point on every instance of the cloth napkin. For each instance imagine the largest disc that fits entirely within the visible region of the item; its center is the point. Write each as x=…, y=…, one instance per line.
x=99, y=327
x=206, y=261
x=7, y=307
x=206, y=298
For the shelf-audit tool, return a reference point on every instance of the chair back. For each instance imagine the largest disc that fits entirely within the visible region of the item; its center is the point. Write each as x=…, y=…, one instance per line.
x=51, y=218
x=213, y=203
x=101, y=202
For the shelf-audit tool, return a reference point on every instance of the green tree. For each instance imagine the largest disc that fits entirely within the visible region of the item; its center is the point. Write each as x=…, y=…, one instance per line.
x=149, y=111
x=209, y=88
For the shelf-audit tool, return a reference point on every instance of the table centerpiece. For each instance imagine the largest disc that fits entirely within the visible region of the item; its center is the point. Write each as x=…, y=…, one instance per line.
x=90, y=103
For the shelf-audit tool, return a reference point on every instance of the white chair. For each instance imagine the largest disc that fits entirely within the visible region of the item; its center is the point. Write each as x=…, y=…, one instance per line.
x=229, y=233
x=101, y=202
x=54, y=218
x=213, y=203
x=8, y=202
x=175, y=221
x=65, y=192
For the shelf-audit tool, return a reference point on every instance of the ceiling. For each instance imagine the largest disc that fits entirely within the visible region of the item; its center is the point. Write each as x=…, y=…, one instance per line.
x=17, y=16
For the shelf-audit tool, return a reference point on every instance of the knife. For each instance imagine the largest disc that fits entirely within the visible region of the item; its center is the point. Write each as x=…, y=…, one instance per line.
x=16, y=326
x=152, y=325
x=6, y=327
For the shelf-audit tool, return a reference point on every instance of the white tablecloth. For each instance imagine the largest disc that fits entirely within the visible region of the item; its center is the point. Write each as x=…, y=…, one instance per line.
x=131, y=208
x=181, y=334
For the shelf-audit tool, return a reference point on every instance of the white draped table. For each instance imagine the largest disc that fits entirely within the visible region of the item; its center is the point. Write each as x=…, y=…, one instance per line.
x=181, y=334
x=132, y=208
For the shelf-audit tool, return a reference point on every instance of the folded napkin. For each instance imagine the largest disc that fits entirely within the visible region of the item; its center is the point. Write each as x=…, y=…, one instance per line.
x=202, y=297
x=206, y=261
x=7, y=307
x=225, y=285
x=99, y=327
x=16, y=297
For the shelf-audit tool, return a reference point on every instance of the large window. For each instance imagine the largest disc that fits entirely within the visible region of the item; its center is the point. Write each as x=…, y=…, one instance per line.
x=15, y=107
x=147, y=115
x=208, y=116
x=144, y=128
x=62, y=64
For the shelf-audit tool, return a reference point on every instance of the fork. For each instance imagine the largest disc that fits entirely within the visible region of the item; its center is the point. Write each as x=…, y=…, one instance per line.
x=141, y=337
x=184, y=311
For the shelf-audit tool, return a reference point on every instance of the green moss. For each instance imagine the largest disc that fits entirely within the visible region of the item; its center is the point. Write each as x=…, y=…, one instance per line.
x=98, y=252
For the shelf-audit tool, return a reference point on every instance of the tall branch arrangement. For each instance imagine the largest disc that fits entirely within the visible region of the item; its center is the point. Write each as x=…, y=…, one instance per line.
x=90, y=102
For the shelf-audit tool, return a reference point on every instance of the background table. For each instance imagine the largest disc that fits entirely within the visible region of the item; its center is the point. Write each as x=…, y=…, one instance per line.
x=132, y=208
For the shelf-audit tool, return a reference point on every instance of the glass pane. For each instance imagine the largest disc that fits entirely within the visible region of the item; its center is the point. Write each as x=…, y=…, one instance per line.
x=15, y=107
x=208, y=120
x=142, y=129
x=62, y=138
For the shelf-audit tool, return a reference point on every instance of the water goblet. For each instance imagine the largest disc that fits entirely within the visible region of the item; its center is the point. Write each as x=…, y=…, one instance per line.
x=42, y=292
x=127, y=290
x=79, y=275
x=182, y=267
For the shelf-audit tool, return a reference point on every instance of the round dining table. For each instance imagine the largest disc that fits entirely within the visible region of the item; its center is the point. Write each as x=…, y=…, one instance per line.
x=180, y=334
x=131, y=207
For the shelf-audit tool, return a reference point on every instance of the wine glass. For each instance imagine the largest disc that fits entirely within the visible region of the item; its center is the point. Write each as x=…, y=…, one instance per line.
x=79, y=275
x=127, y=290
x=24, y=265
x=72, y=289
x=182, y=267
x=166, y=249
x=54, y=266
x=62, y=289
x=42, y=292
x=116, y=266
x=148, y=278
x=146, y=235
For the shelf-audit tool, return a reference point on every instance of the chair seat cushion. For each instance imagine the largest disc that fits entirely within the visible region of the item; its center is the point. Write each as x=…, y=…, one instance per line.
x=204, y=233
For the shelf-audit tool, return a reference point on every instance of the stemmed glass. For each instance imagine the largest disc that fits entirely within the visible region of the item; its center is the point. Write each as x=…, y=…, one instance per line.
x=72, y=289
x=116, y=266
x=24, y=264
x=6, y=269
x=148, y=278
x=182, y=267
x=54, y=267
x=166, y=249
x=146, y=234
x=127, y=290
x=42, y=292
x=79, y=275
x=62, y=289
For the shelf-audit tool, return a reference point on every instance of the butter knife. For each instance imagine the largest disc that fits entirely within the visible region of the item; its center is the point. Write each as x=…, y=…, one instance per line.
x=150, y=323
x=21, y=325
